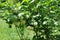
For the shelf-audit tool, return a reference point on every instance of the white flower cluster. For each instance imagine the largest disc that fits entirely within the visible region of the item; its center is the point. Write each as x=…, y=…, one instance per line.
x=34, y=23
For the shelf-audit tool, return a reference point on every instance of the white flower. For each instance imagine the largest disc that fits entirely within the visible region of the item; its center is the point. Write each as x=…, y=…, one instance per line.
x=44, y=7
x=37, y=15
x=46, y=18
x=32, y=1
x=34, y=16
x=55, y=30
x=52, y=11
x=20, y=14
x=56, y=23
x=15, y=9
x=44, y=22
x=35, y=23
x=29, y=27
x=27, y=16
x=19, y=7
x=8, y=20
x=38, y=5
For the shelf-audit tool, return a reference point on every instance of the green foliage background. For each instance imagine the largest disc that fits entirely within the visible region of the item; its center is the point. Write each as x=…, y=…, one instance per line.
x=31, y=19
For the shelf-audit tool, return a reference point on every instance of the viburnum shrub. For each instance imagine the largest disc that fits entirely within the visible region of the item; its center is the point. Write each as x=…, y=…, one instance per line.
x=41, y=15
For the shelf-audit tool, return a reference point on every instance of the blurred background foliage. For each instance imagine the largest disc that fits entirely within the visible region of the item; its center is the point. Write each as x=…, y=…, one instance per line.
x=30, y=19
